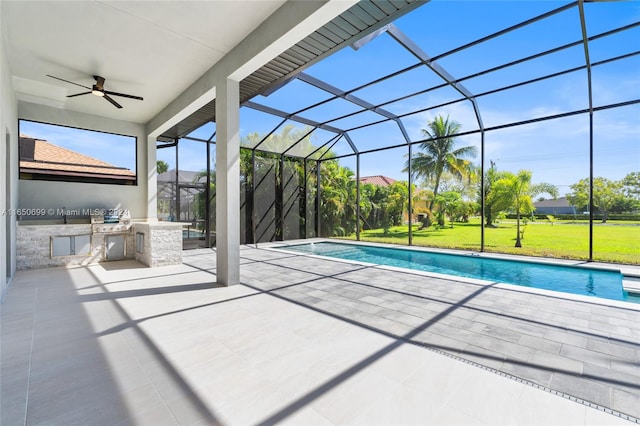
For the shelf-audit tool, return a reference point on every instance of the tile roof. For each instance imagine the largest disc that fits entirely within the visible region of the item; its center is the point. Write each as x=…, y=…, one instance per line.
x=53, y=159
x=377, y=180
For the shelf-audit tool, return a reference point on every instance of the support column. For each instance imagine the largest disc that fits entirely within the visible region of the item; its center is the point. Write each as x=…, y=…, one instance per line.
x=254, y=219
x=318, y=198
x=152, y=180
x=358, y=197
x=228, y=182
x=279, y=197
x=302, y=191
x=410, y=193
x=207, y=197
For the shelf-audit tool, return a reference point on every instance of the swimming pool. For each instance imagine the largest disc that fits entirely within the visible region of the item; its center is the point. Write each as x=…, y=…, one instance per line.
x=568, y=279
x=192, y=234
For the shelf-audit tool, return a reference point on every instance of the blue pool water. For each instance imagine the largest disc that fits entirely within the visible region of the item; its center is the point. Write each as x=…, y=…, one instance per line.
x=568, y=279
x=192, y=234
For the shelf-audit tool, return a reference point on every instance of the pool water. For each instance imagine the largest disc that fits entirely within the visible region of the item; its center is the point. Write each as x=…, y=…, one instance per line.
x=192, y=234
x=568, y=279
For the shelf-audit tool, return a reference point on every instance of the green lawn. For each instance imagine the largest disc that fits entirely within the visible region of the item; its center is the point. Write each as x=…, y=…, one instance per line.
x=617, y=242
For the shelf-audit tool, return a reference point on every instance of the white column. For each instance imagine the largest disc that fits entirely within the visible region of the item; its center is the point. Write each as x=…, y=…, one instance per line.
x=227, y=182
x=152, y=179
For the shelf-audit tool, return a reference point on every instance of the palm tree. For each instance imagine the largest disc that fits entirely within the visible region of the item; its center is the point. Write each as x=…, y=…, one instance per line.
x=519, y=190
x=439, y=154
x=161, y=166
x=337, y=194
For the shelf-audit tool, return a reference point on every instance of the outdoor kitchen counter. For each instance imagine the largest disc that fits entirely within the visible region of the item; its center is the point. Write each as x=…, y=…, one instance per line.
x=158, y=243
x=151, y=243
x=35, y=243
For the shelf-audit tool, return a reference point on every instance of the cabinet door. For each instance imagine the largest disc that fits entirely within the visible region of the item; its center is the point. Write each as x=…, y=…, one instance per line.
x=139, y=242
x=82, y=244
x=60, y=246
x=114, y=247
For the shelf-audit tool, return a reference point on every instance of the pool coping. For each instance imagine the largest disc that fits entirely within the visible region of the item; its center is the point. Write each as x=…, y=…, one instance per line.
x=630, y=279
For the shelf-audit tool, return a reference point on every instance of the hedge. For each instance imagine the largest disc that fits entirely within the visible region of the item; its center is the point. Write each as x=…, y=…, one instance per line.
x=585, y=217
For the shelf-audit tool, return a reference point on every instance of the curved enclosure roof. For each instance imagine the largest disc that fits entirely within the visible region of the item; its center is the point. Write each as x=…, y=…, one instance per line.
x=490, y=65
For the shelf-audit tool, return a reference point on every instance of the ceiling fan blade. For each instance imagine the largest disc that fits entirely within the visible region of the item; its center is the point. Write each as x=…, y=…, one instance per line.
x=78, y=94
x=110, y=99
x=67, y=81
x=124, y=95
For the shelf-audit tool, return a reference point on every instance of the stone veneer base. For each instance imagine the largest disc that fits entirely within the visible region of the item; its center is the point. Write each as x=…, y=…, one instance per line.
x=162, y=244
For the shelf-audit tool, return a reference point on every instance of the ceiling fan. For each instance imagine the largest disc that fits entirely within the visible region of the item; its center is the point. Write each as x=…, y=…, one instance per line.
x=98, y=90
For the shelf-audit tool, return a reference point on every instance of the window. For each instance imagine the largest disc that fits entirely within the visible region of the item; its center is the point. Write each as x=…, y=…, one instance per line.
x=59, y=153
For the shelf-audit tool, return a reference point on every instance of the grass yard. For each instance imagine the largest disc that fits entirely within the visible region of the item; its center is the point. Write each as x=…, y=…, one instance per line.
x=617, y=242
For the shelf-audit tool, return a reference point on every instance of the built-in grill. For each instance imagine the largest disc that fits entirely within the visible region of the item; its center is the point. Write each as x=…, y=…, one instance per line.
x=111, y=224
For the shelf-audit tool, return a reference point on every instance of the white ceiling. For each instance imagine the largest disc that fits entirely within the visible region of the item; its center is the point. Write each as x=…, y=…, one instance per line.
x=153, y=49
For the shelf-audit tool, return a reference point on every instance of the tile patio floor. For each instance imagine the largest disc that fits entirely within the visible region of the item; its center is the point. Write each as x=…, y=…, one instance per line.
x=306, y=341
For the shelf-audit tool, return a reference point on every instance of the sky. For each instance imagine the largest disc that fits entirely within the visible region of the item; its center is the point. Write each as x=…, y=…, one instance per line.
x=118, y=150
x=556, y=151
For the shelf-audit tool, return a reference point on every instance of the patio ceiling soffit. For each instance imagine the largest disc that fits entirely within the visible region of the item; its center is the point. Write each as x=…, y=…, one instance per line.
x=360, y=20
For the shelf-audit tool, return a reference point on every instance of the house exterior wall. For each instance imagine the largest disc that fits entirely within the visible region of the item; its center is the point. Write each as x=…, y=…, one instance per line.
x=555, y=210
x=37, y=194
x=555, y=206
x=8, y=169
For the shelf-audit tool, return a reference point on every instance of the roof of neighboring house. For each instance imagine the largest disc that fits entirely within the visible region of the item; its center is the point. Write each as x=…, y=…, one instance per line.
x=184, y=176
x=558, y=202
x=39, y=156
x=377, y=180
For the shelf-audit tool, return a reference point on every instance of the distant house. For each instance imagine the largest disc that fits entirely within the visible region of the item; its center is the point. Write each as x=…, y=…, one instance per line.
x=377, y=180
x=42, y=160
x=185, y=177
x=558, y=206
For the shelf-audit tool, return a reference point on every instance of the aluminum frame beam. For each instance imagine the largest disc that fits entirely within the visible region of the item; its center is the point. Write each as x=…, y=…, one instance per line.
x=416, y=51
x=585, y=39
x=293, y=117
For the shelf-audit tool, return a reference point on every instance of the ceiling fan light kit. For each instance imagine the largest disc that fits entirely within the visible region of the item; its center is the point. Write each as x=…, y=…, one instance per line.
x=98, y=90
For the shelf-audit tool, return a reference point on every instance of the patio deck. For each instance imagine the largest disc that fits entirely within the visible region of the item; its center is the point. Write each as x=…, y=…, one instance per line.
x=307, y=341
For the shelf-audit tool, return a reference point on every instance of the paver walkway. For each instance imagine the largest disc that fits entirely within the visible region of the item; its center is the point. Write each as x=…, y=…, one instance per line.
x=585, y=350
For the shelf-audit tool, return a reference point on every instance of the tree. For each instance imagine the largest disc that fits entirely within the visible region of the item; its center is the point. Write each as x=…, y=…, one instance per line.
x=519, y=190
x=495, y=200
x=396, y=200
x=162, y=166
x=464, y=210
x=367, y=192
x=275, y=215
x=279, y=142
x=439, y=154
x=448, y=204
x=631, y=184
x=466, y=187
x=606, y=193
x=337, y=199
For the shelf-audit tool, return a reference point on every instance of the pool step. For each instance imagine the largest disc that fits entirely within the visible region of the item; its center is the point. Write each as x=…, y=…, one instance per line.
x=631, y=284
